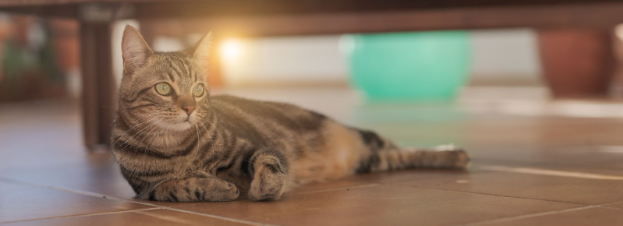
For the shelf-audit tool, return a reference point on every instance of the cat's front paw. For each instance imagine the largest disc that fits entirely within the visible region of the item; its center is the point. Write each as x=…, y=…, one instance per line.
x=217, y=190
x=193, y=189
x=267, y=187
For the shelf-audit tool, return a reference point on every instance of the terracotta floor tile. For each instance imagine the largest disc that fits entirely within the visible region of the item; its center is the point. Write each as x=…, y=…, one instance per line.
x=135, y=218
x=582, y=155
x=378, y=178
x=584, y=217
x=98, y=173
x=24, y=202
x=377, y=205
x=557, y=188
x=591, y=170
x=542, y=141
x=46, y=133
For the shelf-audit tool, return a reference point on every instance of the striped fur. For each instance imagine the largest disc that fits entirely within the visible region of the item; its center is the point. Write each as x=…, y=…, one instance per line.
x=230, y=144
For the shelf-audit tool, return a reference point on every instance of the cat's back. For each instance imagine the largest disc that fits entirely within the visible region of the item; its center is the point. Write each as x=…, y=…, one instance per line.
x=258, y=106
x=242, y=110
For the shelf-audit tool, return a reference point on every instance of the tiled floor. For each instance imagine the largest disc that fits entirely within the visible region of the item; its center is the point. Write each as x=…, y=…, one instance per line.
x=535, y=163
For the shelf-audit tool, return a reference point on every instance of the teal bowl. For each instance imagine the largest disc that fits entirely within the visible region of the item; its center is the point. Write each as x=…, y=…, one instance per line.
x=411, y=66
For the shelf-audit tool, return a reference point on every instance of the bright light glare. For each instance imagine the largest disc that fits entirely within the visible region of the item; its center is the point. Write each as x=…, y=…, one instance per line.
x=231, y=50
x=619, y=31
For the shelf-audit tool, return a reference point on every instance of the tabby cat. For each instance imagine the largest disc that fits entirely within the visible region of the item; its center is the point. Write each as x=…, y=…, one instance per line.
x=175, y=142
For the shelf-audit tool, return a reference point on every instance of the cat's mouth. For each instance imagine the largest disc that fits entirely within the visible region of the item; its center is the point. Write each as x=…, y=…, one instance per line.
x=189, y=119
x=180, y=123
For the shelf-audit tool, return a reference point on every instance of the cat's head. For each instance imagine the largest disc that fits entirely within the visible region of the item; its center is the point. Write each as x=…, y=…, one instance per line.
x=165, y=90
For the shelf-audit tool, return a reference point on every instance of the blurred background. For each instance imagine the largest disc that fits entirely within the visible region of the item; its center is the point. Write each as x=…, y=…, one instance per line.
x=40, y=59
x=519, y=70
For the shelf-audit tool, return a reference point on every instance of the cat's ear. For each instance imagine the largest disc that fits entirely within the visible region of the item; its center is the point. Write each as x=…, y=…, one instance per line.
x=134, y=49
x=202, y=48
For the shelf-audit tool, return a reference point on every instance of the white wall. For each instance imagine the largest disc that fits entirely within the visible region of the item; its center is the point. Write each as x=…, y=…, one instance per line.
x=501, y=53
x=495, y=54
x=287, y=59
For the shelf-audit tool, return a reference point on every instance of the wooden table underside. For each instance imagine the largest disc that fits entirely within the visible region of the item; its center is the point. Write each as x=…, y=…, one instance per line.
x=287, y=17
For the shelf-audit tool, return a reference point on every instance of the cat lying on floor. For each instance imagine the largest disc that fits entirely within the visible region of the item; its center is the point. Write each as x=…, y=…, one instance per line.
x=175, y=142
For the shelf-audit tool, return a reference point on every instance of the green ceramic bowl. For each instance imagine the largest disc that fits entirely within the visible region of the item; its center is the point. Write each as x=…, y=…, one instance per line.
x=413, y=66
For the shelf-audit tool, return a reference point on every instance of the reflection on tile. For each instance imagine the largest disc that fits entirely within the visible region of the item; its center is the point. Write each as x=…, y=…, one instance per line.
x=556, y=188
x=596, y=156
x=486, y=164
x=98, y=173
x=45, y=133
x=136, y=218
x=377, y=205
x=583, y=217
x=24, y=202
x=379, y=178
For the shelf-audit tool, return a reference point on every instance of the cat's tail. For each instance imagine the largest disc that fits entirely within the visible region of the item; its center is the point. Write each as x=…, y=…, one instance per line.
x=385, y=156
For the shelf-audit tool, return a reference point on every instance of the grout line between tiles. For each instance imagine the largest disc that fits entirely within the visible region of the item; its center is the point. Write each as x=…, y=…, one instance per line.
x=92, y=194
x=604, y=205
x=487, y=194
x=548, y=172
x=487, y=161
x=218, y=217
x=83, y=215
x=610, y=208
x=132, y=201
x=335, y=189
x=526, y=216
x=198, y=213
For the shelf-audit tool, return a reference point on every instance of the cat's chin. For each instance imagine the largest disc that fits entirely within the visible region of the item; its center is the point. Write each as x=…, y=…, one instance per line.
x=179, y=127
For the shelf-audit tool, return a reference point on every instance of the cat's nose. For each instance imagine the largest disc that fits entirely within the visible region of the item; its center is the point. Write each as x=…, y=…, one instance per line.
x=189, y=109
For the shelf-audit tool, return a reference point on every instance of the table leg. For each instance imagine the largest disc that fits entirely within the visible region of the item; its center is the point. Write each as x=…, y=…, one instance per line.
x=98, y=84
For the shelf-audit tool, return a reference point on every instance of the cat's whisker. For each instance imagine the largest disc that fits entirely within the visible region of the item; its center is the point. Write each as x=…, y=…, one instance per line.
x=208, y=132
x=131, y=136
x=151, y=143
x=134, y=125
x=156, y=125
x=203, y=126
x=198, y=140
x=142, y=132
x=140, y=122
x=212, y=150
x=165, y=130
x=208, y=121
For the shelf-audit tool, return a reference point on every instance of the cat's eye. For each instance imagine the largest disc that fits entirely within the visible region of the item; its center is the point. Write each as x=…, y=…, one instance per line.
x=198, y=90
x=163, y=88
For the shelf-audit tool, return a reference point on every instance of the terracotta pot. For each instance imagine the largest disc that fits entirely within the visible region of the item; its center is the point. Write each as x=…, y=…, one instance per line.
x=577, y=62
